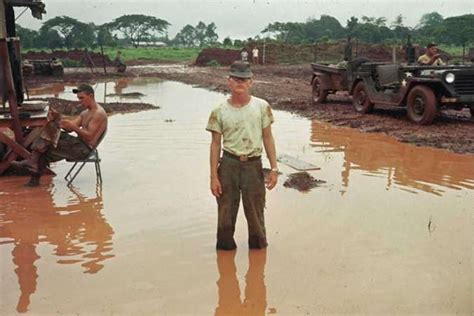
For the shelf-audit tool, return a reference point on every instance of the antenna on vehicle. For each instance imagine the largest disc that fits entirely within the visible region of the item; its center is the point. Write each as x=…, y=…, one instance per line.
x=410, y=51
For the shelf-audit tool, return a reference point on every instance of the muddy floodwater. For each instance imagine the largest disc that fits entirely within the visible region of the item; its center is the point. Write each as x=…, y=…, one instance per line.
x=389, y=232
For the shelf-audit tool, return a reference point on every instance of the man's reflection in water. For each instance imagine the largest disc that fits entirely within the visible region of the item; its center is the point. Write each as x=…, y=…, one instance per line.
x=120, y=84
x=255, y=301
x=78, y=231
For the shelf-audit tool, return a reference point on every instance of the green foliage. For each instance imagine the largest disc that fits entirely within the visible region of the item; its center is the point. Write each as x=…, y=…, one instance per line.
x=213, y=63
x=27, y=36
x=200, y=35
x=104, y=36
x=138, y=27
x=458, y=30
x=169, y=54
x=310, y=31
x=227, y=42
x=49, y=38
x=69, y=63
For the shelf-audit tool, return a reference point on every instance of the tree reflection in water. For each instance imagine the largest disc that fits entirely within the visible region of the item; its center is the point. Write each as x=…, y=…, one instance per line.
x=78, y=231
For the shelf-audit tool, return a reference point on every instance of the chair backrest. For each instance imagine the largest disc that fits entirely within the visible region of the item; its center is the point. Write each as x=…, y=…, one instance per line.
x=101, y=138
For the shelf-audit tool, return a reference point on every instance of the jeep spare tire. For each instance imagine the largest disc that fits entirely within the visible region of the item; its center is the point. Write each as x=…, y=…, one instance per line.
x=319, y=95
x=360, y=99
x=421, y=105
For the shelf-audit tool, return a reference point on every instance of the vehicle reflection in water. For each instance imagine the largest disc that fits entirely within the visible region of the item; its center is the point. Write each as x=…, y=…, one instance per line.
x=255, y=301
x=410, y=168
x=78, y=231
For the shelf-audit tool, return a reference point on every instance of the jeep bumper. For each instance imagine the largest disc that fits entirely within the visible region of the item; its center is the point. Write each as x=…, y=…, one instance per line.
x=460, y=99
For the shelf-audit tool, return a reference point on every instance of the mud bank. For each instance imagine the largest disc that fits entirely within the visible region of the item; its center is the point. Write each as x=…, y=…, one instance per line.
x=288, y=88
x=71, y=107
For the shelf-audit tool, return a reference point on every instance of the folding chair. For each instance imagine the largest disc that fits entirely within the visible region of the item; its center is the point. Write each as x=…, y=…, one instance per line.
x=93, y=157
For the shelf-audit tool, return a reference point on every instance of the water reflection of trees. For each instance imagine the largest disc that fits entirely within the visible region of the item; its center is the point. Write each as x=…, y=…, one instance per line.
x=78, y=231
x=255, y=301
x=406, y=165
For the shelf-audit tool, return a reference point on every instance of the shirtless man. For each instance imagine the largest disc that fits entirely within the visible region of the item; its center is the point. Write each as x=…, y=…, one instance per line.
x=89, y=126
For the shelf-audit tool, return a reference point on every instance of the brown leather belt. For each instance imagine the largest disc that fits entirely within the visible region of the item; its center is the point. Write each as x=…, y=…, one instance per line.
x=242, y=158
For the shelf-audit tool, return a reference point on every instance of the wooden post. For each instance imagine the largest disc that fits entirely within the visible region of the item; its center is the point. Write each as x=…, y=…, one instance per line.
x=8, y=77
x=463, y=53
x=103, y=58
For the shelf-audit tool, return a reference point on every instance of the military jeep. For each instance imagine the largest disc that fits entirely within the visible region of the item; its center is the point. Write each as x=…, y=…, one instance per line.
x=423, y=90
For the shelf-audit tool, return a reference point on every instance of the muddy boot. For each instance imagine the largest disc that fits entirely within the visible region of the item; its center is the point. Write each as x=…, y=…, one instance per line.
x=30, y=164
x=25, y=164
x=34, y=181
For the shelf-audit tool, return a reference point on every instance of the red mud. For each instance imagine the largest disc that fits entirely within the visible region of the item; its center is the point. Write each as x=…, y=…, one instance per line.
x=288, y=88
x=291, y=54
x=74, y=55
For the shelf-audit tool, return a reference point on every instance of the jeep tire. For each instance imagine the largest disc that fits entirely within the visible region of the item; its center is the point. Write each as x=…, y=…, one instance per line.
x=421, y=105
x=319, y=95
x=360, y=99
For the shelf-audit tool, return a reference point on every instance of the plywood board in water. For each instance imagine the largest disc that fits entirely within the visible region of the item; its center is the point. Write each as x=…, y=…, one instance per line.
x=296, y=163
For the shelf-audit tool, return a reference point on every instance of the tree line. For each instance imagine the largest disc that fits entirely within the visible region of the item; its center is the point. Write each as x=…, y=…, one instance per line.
x=136, y=30
x=457, y=30
x=127, y=30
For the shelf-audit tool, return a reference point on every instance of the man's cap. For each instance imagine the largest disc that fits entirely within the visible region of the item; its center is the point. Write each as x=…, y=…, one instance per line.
x=431, y=45
x=83, y=88
x=240, y=69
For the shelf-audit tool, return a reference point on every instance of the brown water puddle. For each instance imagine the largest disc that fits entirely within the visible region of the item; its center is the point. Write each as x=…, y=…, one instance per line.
x=390, y=232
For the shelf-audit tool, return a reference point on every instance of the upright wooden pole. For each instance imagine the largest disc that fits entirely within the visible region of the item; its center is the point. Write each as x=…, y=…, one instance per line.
x=103, y=58
x=8, y=77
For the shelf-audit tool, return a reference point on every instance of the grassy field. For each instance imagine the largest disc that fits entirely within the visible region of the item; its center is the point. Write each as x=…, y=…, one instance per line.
x=454, y=50
x=154, y=53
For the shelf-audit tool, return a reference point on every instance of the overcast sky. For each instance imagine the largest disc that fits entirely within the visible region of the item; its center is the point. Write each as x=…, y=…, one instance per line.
x=245, y=18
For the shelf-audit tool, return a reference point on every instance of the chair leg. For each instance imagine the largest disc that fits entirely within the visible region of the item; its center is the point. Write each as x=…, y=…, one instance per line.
x=70, y=171
x=76, y=173
x=98, y=172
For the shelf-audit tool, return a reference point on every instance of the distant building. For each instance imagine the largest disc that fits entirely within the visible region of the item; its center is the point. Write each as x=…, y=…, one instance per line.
x=151, y=44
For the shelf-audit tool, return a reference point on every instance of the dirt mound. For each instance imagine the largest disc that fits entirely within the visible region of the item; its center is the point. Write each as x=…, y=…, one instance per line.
x=302, y=181
x=222, y=56
x=282, y=53
x=71, y=108
x=79, y=56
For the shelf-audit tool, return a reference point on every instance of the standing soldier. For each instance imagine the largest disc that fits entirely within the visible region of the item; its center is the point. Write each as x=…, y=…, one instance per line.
x=242, y=124
x=255, y=56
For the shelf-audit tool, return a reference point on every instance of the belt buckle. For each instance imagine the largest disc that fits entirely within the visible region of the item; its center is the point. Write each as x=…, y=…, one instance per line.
x=244, y=158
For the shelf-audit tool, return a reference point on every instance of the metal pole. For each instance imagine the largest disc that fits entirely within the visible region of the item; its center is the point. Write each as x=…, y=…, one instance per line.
x=7, y=75
x=463, y=53
x=3, y=21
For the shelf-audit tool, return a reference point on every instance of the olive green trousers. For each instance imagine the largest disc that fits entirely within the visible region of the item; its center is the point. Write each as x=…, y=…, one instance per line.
x=241, y=179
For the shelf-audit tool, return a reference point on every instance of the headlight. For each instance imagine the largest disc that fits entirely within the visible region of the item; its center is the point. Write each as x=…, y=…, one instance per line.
x=449, y=77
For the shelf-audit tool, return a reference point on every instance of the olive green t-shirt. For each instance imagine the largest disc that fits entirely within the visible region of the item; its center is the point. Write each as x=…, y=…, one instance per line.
x=241, y=128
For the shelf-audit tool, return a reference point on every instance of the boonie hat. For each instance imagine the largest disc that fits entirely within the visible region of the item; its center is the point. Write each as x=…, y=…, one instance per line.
x=240, y=69
x=83, y=88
